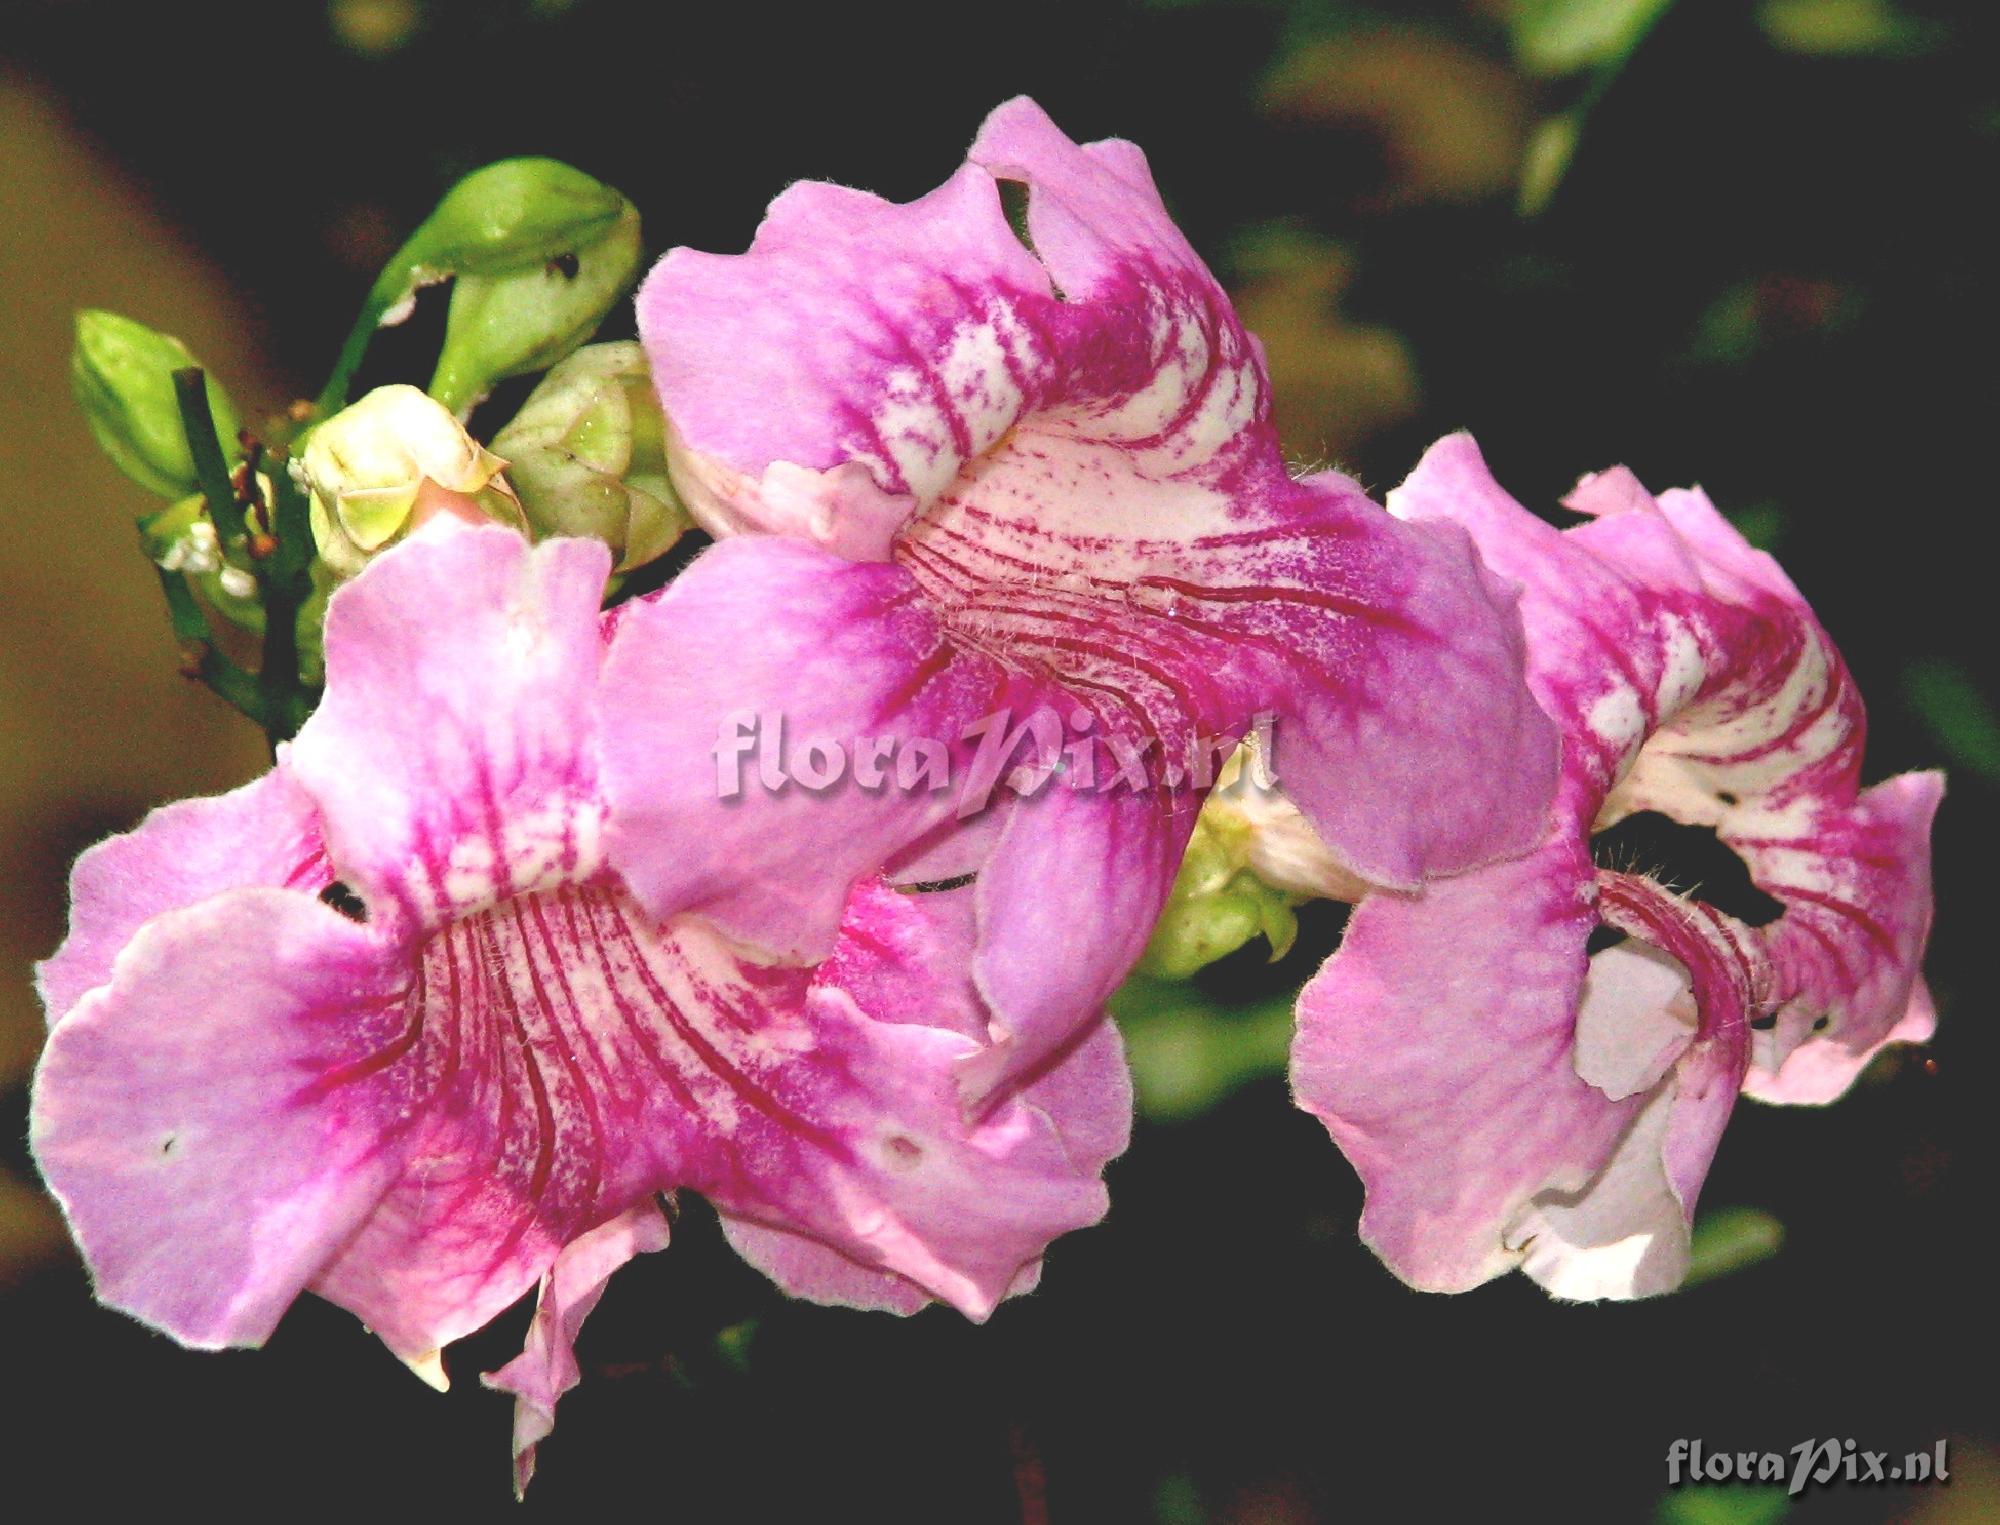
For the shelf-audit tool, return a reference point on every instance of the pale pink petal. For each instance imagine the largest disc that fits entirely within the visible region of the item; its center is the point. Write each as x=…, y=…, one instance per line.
x=1094, y=489
x=1789, y=1067
x=178, y=1115
x=904, y=955
x=1066, y=904
x=265, y=833
x=1437, y=1047
x=1496, y=1109
x=1855, y=882
x=599, y=1057
x=825, y=344
x=1690, y=677
x=1403, y=735
x=903, y=958
x=451, y=758
x=1086, y=1097
x=1685, y=991
x=540, y=1375
x=810, y=1269
x=1597, y=661
x=1095, y=213
x=763, y=664
x=1506, y=1106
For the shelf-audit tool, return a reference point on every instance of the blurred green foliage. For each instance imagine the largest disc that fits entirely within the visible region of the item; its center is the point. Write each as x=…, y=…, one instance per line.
x=1558, y=37
x=1728, y=1239
x=1724, y=1505
x=1957, y=713
x=1189, y=1050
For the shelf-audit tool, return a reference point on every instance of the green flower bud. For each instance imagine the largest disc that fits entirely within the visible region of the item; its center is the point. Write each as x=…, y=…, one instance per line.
x=515, y=215
x=123, y=376
x=587, y=454
x=392, y=461
x=521, y=321
x=1277, y=843
x=1217, y=905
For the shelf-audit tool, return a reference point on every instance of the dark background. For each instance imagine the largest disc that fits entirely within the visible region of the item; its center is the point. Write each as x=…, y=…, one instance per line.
x=1770, y=268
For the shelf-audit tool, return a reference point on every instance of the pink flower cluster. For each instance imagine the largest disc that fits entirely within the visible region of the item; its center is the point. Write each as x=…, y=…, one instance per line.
x=437, y=1010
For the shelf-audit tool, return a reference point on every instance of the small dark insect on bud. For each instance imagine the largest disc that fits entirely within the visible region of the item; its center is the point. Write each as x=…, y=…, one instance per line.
x=566, y=266
x=342, y=899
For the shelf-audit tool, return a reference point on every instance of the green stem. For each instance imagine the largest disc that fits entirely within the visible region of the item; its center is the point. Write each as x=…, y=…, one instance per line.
x=287, y=584
x=228, y=680
x=391, y=286
x=333, y=396
x=211, y=471
x=274, y=697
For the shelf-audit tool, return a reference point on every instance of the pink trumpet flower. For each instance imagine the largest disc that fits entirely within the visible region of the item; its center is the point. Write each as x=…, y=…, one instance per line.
x=389, y=1025
x=969, y=480
x=1511, y=1101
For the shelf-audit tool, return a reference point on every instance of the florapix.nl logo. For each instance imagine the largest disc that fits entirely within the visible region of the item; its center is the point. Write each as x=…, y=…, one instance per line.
x=1075, y=750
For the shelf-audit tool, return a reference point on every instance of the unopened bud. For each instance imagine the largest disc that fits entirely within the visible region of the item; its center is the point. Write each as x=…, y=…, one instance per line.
x=1217, y=905
x=519, y=321
x=389, y=463
x=511, y=216
x=587, y=454
x=123, y=376
x=1279, y=844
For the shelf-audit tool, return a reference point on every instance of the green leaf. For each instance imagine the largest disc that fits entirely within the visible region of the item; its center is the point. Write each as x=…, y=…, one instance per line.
x=1557, y=37
x=1731, y=1239
x=1846, y=28
x=1188, y=1050
x=1960, y=719
x=1727, y=1505
x=1546, y=160
x=1762, y=524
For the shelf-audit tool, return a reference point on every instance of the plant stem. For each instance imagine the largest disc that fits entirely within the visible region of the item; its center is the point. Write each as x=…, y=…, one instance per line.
x=274, y=698
x=287, y=583
x=211, y=471
x=228, y=680
x=390, y=286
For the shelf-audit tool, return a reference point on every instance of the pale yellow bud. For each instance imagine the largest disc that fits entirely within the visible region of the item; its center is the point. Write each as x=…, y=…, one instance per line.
x=389, y=463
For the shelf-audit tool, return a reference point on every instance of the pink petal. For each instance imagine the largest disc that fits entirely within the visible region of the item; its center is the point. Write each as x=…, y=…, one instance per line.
x=1403, y=734
x=1086, y=1097
x=1497, y=1106
x=1597, y=661
x=1066, y=904
x=621, y=1058
x=451, y=758
x=1436, y=1046
x=265, y=833
x=808, y=1269
x=540, y=1375
x=1690, y=677
x=1626, y=1234
x=265, y=1098
x=801, y=352
x=1856, y=885
x=1095, y=213
x=757, y=635
x=1501, y=1107
x=962, y=1213
x=1093, y=489
x=902, y=958
x=175, y=1115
